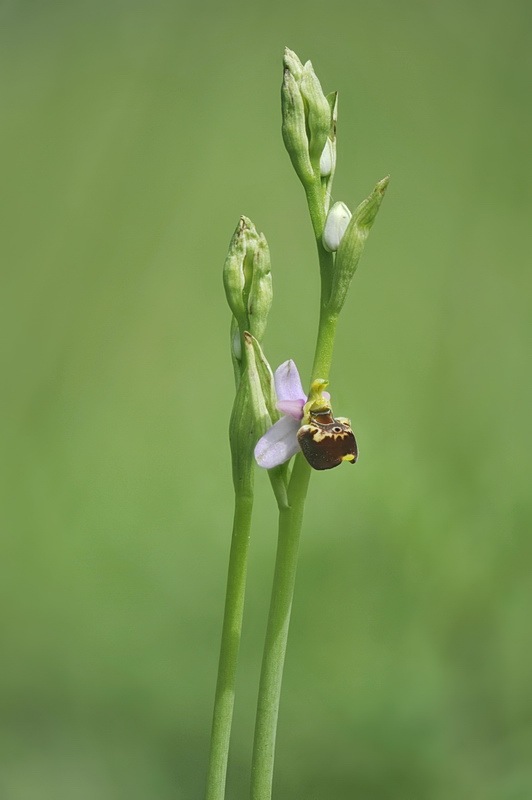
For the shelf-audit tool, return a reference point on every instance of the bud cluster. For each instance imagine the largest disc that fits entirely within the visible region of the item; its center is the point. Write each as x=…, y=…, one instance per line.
x=248, y=287
x=309, y=133
x=248, y=282
x=309, y=123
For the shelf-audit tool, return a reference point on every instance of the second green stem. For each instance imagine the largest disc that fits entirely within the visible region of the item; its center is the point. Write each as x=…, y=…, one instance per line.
x=290, y=522
x=232, y=627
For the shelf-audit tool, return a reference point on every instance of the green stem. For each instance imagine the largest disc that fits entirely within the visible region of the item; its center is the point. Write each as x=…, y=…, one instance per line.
x=290, y=522
x=324, y=345
x=231, y=633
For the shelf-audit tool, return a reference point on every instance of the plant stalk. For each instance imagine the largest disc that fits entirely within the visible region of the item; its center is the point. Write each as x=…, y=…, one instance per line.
x=290, y=523
x=230, y=644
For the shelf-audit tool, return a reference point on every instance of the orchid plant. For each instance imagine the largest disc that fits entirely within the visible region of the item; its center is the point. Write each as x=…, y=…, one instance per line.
x=274, y=422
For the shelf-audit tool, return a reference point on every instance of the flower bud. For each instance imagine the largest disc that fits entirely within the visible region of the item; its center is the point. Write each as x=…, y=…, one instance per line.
x=294, y=128
x=352, y=244
x=292, y=63
x=327, y=159
x=236, y=276
x=261, y=291
x=253, y=410
x=247, y=278
x=318, y=112
x=335, y=226
x=307, y=118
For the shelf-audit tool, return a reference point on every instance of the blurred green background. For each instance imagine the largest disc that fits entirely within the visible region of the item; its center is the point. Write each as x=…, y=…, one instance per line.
x=133, y=135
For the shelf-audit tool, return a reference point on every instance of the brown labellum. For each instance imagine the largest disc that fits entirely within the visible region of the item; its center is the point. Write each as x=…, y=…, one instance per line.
x=326, y=441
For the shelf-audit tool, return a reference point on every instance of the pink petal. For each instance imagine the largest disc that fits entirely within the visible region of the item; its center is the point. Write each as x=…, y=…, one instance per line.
x=288, y=383
x=278, y=444
x=294, y=408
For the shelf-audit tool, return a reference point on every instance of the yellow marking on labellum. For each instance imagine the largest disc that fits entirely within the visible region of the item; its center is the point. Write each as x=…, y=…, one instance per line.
x=326, y=444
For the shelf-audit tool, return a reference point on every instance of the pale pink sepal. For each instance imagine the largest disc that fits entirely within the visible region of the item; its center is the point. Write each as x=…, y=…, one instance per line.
x=278, y=444
x=288, y=383
x=294, y=408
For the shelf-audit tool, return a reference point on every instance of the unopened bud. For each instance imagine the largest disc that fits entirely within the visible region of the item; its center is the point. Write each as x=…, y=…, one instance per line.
x=260, y=296
x=247, y=278
x=318, y=111
x=307, y=119
x=292, y=63
x=294, y=128
x=253, y=410
x=335, y=226
x=328, y=159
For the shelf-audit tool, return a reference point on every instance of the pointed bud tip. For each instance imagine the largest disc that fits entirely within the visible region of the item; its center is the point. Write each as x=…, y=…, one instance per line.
x=292, y=63
x=383, y=184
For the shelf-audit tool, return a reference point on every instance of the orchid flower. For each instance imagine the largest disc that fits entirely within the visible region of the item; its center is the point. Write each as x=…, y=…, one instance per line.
x=280, y=442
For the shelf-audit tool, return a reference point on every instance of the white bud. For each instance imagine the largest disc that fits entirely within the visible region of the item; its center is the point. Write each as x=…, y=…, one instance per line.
x=327, y=159
x=335, y=226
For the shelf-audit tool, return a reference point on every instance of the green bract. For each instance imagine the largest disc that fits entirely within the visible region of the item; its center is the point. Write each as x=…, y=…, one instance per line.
x=352, y=244
x=261, y=379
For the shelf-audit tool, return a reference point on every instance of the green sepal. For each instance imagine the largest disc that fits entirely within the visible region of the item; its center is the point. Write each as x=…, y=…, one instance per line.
x=259, y=299
x=352, y=245
x=318, y=113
